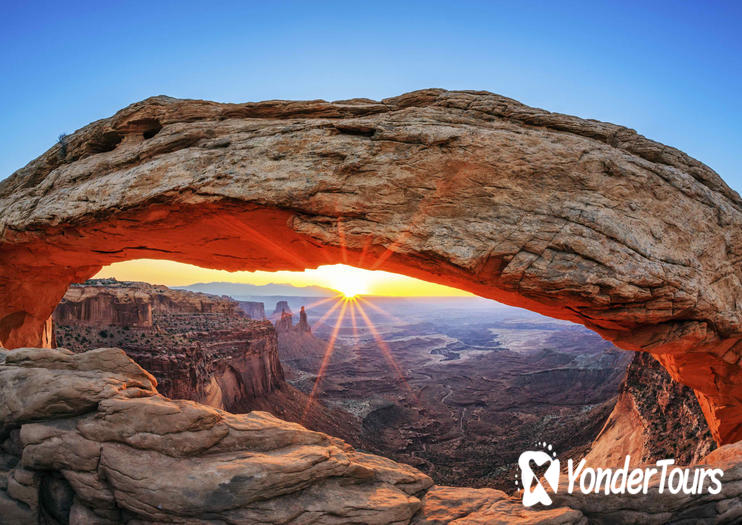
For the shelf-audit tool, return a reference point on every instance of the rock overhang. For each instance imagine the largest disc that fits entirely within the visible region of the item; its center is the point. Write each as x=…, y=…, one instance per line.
x=576, y=219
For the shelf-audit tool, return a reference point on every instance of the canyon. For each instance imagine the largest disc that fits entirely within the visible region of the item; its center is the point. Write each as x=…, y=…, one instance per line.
x=576, y=219
x=479, y=379
x=199, y=347
x=86, y=439
x=455, y=387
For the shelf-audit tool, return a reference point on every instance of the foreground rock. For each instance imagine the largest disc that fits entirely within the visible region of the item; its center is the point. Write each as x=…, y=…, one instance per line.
x=655, y=508
x=465, y=506
x=120, y=452
x=86, y=439
x=576, y=219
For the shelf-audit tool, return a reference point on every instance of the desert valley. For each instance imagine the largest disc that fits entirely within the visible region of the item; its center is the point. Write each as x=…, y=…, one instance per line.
x=453, y=386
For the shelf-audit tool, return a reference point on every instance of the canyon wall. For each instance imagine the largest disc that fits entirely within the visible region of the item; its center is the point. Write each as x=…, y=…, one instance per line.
x=576, y=219
x=654, y=418
x=101, y=302
x=253, y=309
x=200, y=347
x=85, y=438
x=223, y=368
x=282, y=307
x=103, y=310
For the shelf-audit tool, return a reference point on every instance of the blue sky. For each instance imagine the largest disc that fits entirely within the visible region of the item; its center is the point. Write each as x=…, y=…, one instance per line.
x=671, y=70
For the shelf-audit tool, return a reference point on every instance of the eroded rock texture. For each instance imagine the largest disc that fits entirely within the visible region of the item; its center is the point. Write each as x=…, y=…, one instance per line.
x=576, y=219
x=654, y=418
x=200, y=347
x=86, y=439
x=108, y=302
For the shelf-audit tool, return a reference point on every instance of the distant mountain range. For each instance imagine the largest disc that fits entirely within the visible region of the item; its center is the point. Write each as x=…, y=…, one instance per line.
x=237, y=290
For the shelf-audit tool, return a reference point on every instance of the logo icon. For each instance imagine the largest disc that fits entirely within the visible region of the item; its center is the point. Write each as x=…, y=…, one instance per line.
x=533, y=491
x=540, y=471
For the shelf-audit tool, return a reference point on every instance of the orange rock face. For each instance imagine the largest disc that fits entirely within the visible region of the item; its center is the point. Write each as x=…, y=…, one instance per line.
x=199, y=347
x=654, y=418
x=575, y=219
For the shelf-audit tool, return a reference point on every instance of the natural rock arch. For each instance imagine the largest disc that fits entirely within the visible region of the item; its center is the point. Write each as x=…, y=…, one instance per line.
x=572, y=218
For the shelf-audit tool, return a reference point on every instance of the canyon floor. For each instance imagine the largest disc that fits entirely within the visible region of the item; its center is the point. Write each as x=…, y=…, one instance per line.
x=456, y=387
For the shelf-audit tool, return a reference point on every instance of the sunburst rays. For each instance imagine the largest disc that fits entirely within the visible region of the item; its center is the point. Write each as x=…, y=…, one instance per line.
x=328, y=313
x=352, y=307
x=326, y=358
x=352, y=301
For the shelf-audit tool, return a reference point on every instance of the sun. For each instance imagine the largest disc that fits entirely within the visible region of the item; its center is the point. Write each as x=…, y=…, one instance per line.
x=350, y=289
x=351, y=282
x=350, y=292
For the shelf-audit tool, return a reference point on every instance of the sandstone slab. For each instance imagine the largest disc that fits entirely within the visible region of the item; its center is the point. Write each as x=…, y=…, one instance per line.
x=576, y=219
x=144, y=458
x=114, y=455
x=465, y=506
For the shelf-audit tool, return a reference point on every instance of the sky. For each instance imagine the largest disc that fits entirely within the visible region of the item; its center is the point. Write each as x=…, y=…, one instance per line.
x=346, y=279
x=670, y=70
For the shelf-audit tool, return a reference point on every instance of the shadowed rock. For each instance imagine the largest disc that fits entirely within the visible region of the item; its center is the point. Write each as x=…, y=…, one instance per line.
x=654, y=418
x=99, y=454
x=576, y=219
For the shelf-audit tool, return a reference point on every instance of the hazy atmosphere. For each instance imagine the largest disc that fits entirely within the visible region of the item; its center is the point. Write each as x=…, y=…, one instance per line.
x=336, y=277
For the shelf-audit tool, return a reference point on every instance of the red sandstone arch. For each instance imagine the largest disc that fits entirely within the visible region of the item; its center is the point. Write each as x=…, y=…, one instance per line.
x=575, y=219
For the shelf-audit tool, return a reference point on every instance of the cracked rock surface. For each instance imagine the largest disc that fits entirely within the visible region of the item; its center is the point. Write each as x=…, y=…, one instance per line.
x=94, y=442
x=576, y=219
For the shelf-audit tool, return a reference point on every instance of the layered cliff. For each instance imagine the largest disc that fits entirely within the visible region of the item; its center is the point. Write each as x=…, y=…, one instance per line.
x=654, y=418
x=282, y=307
x=102, y=302
x=86, y=439
x=198, y=346
x=253, y=309
x=303, y=325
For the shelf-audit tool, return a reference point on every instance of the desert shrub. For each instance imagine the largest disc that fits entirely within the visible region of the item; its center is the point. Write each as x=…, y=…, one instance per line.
x=62, y=140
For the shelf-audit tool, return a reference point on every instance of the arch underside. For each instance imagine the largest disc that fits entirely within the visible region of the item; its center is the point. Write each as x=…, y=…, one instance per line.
x=574, y=219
